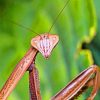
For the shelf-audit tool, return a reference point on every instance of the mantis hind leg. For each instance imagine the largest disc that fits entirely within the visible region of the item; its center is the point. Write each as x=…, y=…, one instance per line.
x=87, y=78
x=95, y=82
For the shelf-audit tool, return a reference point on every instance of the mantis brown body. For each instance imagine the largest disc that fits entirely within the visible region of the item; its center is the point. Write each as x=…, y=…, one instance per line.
x=39, y=43
x=44, y=44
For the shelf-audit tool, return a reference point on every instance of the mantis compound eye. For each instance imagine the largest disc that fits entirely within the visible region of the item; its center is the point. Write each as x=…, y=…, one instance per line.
x=45, y=43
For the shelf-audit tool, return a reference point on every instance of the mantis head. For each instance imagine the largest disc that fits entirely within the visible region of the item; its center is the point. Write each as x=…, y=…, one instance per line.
x=45, y=43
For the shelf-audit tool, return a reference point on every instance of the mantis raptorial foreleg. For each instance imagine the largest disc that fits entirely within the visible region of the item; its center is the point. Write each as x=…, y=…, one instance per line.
x=18, y=72
x=34, y=84
x=43, y=43
x=73, y=89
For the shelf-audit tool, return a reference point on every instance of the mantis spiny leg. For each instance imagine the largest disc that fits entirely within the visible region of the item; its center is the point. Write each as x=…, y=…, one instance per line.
x=84, y=79
x=34, y=84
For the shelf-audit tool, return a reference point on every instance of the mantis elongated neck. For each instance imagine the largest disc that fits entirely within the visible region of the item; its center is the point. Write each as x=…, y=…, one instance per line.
x=17, y=73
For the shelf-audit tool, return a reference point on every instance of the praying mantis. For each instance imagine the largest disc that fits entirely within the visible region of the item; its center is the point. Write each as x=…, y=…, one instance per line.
x=44, y=44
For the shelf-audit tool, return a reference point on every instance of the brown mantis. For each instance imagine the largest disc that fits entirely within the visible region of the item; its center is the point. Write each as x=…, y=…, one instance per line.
x=45, y=43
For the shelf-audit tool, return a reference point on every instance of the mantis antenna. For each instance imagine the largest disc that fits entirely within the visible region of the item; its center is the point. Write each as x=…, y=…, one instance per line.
x=29, y=29
x=58, y=16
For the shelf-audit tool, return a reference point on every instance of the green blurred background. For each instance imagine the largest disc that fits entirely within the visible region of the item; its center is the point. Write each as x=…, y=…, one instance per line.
x=78, y=48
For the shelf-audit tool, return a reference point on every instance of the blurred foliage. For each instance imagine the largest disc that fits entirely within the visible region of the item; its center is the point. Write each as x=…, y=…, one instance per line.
x=77, y=49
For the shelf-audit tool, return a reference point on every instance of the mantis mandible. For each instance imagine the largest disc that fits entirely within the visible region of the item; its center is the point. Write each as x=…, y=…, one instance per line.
x=44, y=44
